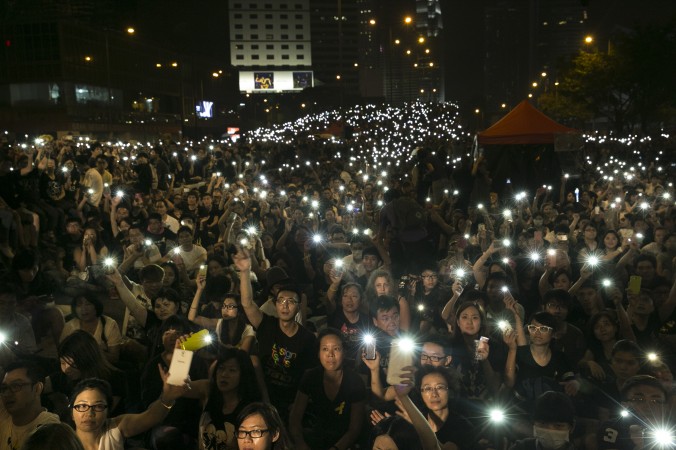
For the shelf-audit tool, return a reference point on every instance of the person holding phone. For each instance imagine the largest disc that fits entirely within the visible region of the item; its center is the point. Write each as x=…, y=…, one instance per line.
x=90, y=403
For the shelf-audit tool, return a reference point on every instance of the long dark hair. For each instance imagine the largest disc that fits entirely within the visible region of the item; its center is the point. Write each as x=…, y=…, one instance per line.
x=272, y=421
x=84, y=351
x=247, y=390
x=399, y=430
x=231, y=330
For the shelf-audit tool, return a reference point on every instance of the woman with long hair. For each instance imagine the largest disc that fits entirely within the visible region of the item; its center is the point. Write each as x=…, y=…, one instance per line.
x=479, y=380
x=87, y=310
x=81, y=358
x=334, y=394
x=602, y=334
x=231, y=328
x=259, y=427
x=229, y=389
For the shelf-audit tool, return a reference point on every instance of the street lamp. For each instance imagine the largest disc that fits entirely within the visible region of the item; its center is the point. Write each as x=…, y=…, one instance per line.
x=408, y=20
x=131, y=30
x=588, y=39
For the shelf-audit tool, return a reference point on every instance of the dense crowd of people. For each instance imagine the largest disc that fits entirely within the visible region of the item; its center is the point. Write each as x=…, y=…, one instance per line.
x=409, y=304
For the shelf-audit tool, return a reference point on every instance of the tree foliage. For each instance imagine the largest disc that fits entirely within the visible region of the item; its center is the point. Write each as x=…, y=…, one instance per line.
x=632, y=85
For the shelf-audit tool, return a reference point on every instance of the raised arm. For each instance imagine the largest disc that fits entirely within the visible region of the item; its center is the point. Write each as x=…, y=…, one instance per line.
x=243, y=263
x=136, y=309
x=134, y=424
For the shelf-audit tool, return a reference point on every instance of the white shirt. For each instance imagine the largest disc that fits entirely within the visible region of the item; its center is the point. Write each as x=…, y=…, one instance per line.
x=94, y=181
x=111, y=331
x=13, y=436
x=172, y=223
x=194, y=258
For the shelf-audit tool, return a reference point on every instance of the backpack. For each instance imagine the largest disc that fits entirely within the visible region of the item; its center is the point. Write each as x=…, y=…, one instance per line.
x=409, y=214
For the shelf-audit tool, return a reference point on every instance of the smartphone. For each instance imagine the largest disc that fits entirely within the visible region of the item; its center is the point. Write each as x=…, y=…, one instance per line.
x=180, y=367
x=597, y=210
x=197, y=341
x=538, y=236
x=370, y=350
x=551, y=258
x=635, y=284
x=562, y=237
x=203, y=271
x=401, y=355
x=480, y=344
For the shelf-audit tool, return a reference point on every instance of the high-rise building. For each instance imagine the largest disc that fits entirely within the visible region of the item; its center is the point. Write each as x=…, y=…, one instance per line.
x=270, y=45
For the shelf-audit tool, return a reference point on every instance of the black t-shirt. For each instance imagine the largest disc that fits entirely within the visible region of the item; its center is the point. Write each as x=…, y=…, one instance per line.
x=284, y=359
x=457, y=430
x=532, y=379
x=331, y=416
x=615, y=434
x=352, y=332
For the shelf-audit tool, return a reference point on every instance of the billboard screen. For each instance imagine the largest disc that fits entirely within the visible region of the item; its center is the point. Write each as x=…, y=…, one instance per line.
x=262, y=81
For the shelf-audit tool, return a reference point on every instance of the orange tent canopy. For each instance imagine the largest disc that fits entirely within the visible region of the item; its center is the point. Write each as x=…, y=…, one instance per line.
x=523, y=125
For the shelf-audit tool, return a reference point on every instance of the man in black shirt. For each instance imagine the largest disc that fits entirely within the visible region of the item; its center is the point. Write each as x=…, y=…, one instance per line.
x=286, y=348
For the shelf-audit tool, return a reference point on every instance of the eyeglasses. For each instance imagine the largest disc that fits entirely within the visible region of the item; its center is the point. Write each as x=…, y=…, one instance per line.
x=229, y=307
x=287, y=301
x=553, y=305
x=436, y=389
x=253, y=434
x=425, y=357
x=539, y=329
x=14, y=387
x=83, y=407
x=652, y=401
x=428, y=277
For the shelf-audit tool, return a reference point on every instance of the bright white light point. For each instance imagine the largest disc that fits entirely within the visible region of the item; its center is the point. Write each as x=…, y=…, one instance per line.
x=421, y=307
x=208, y=339
x=480, y=206
x=368, y=339
x=606, y=282
x=506, y=242
x=624, y=413
x=3, y=338
x=251, y=230
x=497, y=415
x=108, y=262
x=503, y=325
x=317, y=238
x=652, y=356
x=535, y=256
x=406, y=344
x=593, y=260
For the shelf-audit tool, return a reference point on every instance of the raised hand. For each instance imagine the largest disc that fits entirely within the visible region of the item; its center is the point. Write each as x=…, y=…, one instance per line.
x=242, y=259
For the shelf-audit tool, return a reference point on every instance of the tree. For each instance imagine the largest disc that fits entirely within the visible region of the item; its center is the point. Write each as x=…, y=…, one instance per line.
x=633, y=84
